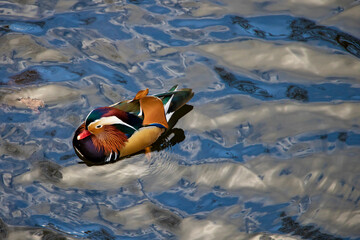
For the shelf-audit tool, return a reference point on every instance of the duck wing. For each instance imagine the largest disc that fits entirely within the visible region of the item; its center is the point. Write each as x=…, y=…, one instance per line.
x=172, y=100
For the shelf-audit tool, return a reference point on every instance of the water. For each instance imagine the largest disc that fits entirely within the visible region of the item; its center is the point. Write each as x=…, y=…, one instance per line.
x=270, y=149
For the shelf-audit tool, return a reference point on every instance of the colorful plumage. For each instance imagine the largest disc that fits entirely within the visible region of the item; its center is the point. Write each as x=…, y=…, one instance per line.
x=127, y=127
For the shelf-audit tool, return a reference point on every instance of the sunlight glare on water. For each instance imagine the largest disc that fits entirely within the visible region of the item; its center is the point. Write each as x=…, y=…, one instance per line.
x=270, y=149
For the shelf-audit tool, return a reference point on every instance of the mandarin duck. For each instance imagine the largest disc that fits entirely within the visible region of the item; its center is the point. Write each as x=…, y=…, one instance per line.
x=127, y=127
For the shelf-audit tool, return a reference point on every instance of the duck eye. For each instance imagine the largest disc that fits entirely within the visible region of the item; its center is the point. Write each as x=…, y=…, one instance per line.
x=98, y=126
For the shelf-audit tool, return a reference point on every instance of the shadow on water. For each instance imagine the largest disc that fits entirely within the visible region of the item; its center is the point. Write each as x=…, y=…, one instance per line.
x=174, y=135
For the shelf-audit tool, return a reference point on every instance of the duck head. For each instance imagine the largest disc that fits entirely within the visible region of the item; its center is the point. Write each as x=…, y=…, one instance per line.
x=103, y=134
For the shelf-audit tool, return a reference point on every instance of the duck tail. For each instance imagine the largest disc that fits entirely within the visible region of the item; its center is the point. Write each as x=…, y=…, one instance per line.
x=174, y=99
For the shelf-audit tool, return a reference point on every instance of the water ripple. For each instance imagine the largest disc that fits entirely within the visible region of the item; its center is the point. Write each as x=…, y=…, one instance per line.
x=268, y=150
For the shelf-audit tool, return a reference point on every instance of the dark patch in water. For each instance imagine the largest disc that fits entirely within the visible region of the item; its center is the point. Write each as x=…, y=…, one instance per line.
x=27, y=77
x=342, y=136
x=320, y=177
x=165, y=218
x=89, y=21
x=244, y=23
x=51, y=133
x=225, y=75
x=5, y=29
x=49, y=235
x=151, y=19
x=285, y=171
x=12, y=149
x=102, y=234
x=305, y=93
x=305, y=30
x=50, y=171
x=289, y=225
x=297, y=93
x=242, y=85
x=323, y=136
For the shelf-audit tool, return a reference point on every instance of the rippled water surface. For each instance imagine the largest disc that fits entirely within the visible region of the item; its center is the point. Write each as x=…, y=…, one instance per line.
x=269, y=147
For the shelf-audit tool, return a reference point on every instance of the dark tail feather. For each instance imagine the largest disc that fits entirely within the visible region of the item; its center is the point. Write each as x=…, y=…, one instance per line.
x=177, y=98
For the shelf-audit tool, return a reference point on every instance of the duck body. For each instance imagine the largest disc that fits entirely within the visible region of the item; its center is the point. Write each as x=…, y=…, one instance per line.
x=127, y=127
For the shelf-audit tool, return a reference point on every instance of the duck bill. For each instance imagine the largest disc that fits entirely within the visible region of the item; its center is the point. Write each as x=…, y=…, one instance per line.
x=83, y=135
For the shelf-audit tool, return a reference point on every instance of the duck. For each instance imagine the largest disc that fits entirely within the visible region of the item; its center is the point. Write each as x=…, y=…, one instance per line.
x=127, y=127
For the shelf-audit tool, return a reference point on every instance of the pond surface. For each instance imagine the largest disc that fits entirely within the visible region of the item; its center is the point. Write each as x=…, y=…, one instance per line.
x=270, y=148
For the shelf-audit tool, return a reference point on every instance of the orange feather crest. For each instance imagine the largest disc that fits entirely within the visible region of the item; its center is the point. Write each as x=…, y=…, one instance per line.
x=109, y=140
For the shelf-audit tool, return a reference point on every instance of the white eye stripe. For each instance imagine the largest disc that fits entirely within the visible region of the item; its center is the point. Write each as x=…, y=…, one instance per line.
x=110, y=121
